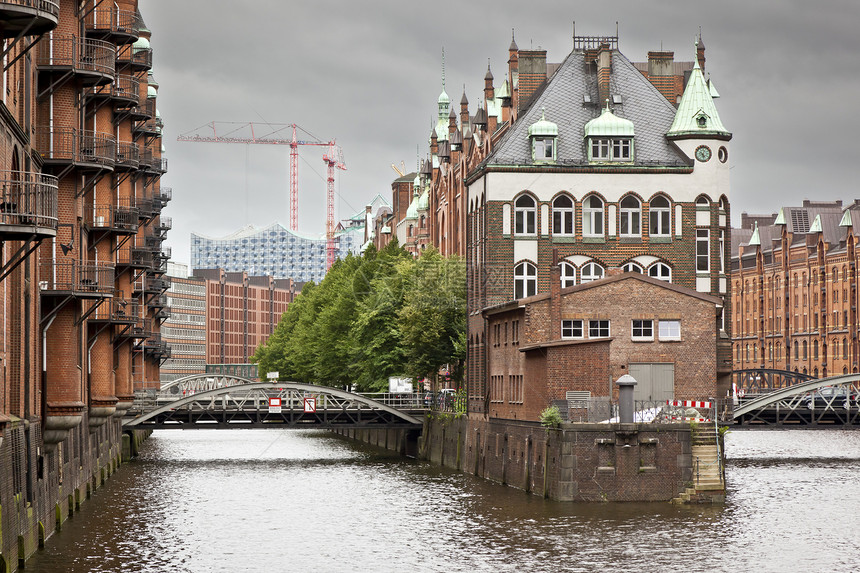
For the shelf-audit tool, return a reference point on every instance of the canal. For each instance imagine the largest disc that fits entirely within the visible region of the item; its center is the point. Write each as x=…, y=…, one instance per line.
x=266, y=500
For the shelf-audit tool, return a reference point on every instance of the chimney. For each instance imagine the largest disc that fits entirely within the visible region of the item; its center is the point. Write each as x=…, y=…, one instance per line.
x=489, y=90
x=604, y=69
x=661, y=66
x=532, y=75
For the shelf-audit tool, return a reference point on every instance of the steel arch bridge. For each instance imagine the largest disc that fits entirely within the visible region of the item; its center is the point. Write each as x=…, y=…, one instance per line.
x=834, y=401
x=246, y=404
x=200, y=383
x=759, y=380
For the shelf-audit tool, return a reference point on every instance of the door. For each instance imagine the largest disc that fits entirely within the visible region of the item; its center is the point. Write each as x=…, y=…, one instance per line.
x=654, y=382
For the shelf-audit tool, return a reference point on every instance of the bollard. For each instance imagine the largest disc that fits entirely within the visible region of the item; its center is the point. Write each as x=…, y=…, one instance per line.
x=625, y=398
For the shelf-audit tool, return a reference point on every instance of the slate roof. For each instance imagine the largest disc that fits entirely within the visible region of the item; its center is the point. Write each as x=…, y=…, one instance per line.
x=562, y=99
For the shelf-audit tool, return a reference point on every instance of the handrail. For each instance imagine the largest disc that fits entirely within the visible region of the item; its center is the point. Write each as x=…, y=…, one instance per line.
x=77, y=277
x=114, y=20
x=82, y=54
x=52, y=8
x=75, y=145
x=28, y=198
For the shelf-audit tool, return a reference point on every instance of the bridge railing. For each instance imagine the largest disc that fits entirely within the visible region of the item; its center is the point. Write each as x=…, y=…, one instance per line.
x=599, y=410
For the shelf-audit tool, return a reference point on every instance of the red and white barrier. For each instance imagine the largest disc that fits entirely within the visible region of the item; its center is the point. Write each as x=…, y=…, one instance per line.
x=688, y=403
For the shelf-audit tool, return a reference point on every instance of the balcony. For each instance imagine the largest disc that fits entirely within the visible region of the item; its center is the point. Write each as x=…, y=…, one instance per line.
x=163, y=225
x=137, y=58
x=91, y=61
x=165, y=194
x=155, y=285
x=28, y=17
x=134, y=256
x=113, y=24
x=124, y=91
x=28, y=205
x=116, y=310
x=163, y=313
x=147, y=128
x=159, y=301
x=94, y=280
x=145, y=110
x=127, y=156
x=119, y=219
x=147, y=161
x=68, y=146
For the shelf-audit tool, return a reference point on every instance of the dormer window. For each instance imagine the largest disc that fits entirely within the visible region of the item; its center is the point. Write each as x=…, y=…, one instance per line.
x=543, y=134
x=609, y=138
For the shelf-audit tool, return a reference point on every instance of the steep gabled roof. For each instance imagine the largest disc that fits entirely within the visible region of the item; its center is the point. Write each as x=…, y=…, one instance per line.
x=562, y=98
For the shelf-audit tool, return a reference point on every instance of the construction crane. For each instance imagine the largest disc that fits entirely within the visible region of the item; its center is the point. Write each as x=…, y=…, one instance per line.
x=275, y=134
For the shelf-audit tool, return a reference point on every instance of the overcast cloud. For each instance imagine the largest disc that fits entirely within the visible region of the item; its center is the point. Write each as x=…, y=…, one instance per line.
x=368, y=74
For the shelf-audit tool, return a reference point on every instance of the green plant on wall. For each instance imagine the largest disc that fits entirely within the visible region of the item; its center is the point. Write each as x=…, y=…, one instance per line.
x=551, y=417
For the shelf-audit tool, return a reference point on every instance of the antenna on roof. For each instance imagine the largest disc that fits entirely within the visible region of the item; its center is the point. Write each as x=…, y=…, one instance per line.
x=443, y=68
x=616, y=34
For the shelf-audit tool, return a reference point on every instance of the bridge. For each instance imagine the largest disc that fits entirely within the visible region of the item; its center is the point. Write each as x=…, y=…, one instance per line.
x=776, y=397
x=220, y=402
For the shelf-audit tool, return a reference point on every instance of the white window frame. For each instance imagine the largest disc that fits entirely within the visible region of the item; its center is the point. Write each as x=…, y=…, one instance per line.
x=597, y=328
x=621, y=150
x=543, y=148
x=525, y=280
x=601, y=149
x=631, y=267
x=660, y=271
x=592, y=217
x=569, y=328
x=629, y=215
x=568, y=274
x=659, y=217
x=587, y=274
x=563, y=217
x=703, y=243
x=722, y=251
x=669, y=329
x=642, y=329
x=525, y=217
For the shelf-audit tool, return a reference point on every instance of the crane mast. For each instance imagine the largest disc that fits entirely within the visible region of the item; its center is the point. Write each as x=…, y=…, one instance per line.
x=332, y=156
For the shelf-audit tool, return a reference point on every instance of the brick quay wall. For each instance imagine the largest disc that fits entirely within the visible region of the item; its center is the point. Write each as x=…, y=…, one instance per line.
x=40, y=489
x=577, y=462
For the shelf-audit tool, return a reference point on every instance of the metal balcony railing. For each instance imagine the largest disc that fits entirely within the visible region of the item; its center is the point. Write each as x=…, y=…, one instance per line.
x=144, y=206
x=82, y=56
x=117, y=310
x=28, y=200
x=119, y=25
x=146, y=160
x=127, y=155
x=159, y=301
x=34, y=17
x=138, y=58
x=134, y=256
x=165, y=194
x=161, y=165
x=79, y=147
x=77, y=278
x=163, y=225
x=144, y=111
x=163, y=313
x=146, y=127
x=156, y=285
x=117, y=218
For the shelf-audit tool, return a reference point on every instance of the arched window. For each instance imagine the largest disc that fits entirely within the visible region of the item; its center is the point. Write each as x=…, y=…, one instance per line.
x=568, y=275
x=591, y=272
x=660, y=221
x=844, y=349
x=562, y=215
x=632, y=267
x=631, y=217
x=525, y=280
x=592, y=217
x=748, y=352
x=660, y=271
x=525, y=217
x=703, y=201
x=815, y=350
x=805, y=353
x=409, y=231
x=796, y=353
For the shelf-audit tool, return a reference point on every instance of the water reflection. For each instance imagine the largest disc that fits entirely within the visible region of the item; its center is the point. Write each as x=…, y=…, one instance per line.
x=202, y=501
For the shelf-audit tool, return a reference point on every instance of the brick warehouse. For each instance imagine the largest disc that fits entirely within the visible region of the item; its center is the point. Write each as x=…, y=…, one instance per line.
x=82, y=276
x=794, y=292
x=597, y=170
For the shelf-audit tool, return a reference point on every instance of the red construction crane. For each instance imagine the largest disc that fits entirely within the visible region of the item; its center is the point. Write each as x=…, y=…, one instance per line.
x=236, y=132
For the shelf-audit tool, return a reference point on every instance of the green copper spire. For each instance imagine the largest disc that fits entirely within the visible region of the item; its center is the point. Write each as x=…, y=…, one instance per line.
x=846, y=219
x=780, y=218
x=697, y=115
x=816, y=225
x=755, y=240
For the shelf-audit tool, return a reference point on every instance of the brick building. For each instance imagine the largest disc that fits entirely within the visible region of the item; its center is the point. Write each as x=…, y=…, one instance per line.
x=581, y=338
x=794, y=290
x=242, y=311
x=593, y=169
x=184, y=329
x=81, y=228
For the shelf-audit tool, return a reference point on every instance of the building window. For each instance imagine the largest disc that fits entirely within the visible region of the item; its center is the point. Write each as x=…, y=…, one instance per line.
x=643, y=329
x=670, y=330
x=600, y=149
x=562, y=215
x=659, y=216
x=571, y=329
x=660, y=271
x=703, y=247
x=525, y=216
x=616, y=149
x=598, y=328
x=591, y=272
x=543, y=149
x=631, y=217
x=632, y=267
x=723, y=255
x=592, y=217
x=568, y=275
x=525, y=280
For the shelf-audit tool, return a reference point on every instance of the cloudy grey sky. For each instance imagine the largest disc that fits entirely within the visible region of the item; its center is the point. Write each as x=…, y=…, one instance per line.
x=368, y=74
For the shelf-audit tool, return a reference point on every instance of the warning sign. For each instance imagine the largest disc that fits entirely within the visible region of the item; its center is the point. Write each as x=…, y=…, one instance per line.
x=310, y=405
x=274, y=405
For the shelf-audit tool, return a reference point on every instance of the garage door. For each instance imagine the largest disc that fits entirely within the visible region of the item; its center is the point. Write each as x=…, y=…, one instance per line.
x=655, y=382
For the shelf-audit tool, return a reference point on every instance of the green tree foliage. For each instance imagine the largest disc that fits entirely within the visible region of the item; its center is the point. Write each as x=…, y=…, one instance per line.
x=379, y=315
